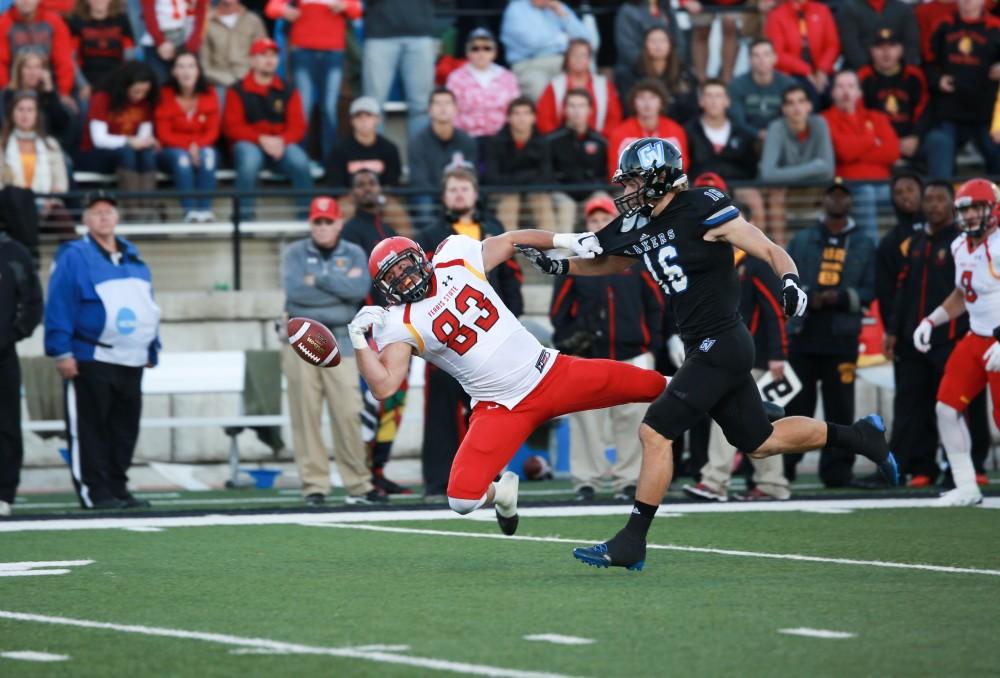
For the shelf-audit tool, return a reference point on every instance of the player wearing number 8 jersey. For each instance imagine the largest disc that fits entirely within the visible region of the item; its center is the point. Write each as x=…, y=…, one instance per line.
x=445, y=311
x=685, y=238
x=975, y=362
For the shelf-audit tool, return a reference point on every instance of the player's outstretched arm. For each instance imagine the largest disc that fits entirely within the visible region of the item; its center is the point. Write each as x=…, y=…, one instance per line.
x=740, y=233
x=385, y=371
x=952, y=307
x=500, y=248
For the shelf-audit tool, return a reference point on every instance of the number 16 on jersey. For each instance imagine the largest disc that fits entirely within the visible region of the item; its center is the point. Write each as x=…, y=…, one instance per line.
x=670, y=276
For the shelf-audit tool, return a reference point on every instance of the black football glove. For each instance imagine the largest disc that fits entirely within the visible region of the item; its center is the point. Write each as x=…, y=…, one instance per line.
x=793, y=298
x=542, y=262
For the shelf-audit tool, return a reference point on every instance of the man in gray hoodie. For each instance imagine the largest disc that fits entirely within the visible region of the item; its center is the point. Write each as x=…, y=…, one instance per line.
x=325, y=278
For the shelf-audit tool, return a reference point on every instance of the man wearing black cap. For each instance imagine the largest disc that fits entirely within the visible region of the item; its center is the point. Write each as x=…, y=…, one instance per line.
x=101, y=328
x=20, y=312
x=836, y=266
x=897, y=89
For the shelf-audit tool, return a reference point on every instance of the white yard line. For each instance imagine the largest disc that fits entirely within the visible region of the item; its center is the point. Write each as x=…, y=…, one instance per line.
x=818, y=633
x=674, y=547
x=29, y=656
x=35, y=564
x=279, y=646
x=118, y=521
x=559, y=639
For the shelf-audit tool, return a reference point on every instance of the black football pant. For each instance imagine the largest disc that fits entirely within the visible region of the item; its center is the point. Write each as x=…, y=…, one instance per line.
x=103, y=406
x=835, y=375
x=11, y=443
x=446, y=419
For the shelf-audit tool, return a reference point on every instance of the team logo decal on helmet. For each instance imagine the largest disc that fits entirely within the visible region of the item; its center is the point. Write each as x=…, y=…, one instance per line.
x=983, y=195
x=658, y=164
x=405, y=284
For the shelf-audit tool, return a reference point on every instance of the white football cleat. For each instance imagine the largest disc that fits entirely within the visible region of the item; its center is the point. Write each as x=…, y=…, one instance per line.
x=505, y=502
x=960, y=496
x=4, y=509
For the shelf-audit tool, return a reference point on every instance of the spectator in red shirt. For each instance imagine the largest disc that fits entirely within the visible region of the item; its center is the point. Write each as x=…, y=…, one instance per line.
x=897, y=89
x=118, y=136
x=187, y=127
x=264, y=121
x=316, y=55
x=102, y=39
x=865, y=147
x=606, y=112
x=26, y=26
x=929, y=17
x=649, y=101
x=805, y=37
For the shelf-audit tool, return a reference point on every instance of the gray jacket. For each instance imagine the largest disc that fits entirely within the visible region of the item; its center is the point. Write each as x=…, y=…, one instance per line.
x=785, y=158
x=430, y=157
x=341, y=283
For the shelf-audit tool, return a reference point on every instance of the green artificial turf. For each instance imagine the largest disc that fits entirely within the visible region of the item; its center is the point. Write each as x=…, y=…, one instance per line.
x=473, y=600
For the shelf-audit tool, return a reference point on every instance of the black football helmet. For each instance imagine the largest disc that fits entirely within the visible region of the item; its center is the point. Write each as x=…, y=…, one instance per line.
x=660, y=166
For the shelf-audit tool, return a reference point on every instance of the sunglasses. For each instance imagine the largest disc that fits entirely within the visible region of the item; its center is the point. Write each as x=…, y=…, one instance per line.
x=481, y=48
x=323, y=221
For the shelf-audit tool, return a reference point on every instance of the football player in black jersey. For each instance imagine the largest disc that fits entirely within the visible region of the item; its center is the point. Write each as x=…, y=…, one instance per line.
x=685, y=238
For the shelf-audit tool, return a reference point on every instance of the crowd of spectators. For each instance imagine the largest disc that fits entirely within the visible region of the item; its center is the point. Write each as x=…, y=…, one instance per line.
x=184, y=87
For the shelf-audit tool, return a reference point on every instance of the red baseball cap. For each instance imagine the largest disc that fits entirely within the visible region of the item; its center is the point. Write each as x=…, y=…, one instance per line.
x=711, y=179
x=262, y=45
x=601, y=202
x=324, y=207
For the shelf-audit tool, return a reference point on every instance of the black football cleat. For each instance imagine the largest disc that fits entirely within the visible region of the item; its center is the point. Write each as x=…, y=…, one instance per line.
x=622, y=550
x=131, y=501
x=507, y=525
x=875, y=447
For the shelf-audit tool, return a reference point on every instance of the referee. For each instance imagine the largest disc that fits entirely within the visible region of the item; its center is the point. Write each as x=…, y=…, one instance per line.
x=101, y=328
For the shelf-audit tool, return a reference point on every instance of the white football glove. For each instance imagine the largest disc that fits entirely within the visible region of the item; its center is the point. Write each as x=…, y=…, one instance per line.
x=794, y=299
x=583, y=245
x=364, y=320
x=675, y=350
x=922, y=335
x=992, y=358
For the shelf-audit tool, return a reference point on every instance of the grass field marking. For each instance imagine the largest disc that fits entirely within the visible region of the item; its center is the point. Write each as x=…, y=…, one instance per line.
x=143, y=528
x=40, y=568
x=559, y=639
x=295, y=648
x=34, y=565
x=30, y=656
x=674, y=547
x=360, y=648
x=818, y=633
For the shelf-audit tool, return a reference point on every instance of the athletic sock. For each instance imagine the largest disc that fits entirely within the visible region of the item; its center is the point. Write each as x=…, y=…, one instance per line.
x=640, y=520
x=957, y=444
x=847, y=437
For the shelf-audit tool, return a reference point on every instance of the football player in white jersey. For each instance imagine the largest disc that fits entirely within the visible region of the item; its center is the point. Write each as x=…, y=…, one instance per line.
x=975, y=361
x=445, y=311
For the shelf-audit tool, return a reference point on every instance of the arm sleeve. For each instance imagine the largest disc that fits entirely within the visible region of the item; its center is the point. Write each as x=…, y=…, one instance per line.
x=4, y=51
x=61, y=307
x=198, y=32
x=653, y=305
x=213, y=121
x=28, y=313
x=351, y=289
x=546, y=119
x=353, y=9
x=295, y=127
x=561, y=309
x=275, y=8
x=102, y=138
x=855, y=55
x=788, y=61
x=63, y=64
x=236, y=126
x=149, y=13
x=831, y=49
x=887, y=152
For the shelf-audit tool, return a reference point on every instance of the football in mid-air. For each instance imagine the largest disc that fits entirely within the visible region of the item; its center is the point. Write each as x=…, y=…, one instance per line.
x=313, y=342
x=537, y=467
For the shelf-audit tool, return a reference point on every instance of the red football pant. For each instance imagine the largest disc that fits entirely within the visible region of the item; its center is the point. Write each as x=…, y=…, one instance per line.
x=573, y=384
x=965, y=375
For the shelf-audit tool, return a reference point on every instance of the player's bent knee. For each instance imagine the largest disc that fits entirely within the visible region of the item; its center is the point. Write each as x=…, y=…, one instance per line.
x=465, y=506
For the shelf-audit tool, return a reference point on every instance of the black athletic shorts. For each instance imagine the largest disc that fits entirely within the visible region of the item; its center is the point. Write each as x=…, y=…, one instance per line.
x=715, y=380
